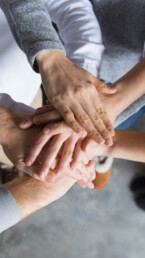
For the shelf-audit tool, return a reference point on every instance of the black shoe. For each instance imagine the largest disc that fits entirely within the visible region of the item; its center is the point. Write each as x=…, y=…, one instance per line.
x=140, y=201
x=138, y=185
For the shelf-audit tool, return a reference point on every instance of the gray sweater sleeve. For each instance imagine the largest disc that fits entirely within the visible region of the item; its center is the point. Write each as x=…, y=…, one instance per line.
x=31, y=26
x=9, y=211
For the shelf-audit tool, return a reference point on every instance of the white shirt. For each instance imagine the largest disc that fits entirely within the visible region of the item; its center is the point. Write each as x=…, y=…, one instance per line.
x=80, y=32
x=16, y=75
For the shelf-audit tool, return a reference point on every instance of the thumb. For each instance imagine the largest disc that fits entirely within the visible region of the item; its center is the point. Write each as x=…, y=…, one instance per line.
x=103, y=88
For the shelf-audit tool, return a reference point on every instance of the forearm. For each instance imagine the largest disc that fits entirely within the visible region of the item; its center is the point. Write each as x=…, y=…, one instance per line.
x=127, y=145
x=79, y=31
x=129, y=88
x=31, y=194
x=31, y=26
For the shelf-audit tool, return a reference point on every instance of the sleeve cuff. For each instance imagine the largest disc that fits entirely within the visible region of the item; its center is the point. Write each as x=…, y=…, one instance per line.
x=41, y=46
x=9, y=211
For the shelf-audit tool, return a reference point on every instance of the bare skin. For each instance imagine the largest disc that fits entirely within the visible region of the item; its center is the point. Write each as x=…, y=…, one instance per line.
x=74, y=94
x=17, y=143
x=129, y=88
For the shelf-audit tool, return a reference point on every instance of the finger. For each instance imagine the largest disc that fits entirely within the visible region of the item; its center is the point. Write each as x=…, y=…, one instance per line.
x=51, y=153
x=77, y=155
x=48, y=132
x=81, y=184
x=57, y=128
x=107, y=122
x=103, y=114
x=27, y=123
x=97, y=121
x=67, y=152
x=90, y=185
x=91, y=170
x=44, y=109
x=103, y=88
x=36, y=148
x=85, y=143
x=47, y=117
x=68, y=116
x=86, y=123
x=75, y=174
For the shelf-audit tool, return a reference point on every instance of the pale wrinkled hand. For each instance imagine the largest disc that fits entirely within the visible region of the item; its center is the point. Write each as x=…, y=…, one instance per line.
x=74, y=93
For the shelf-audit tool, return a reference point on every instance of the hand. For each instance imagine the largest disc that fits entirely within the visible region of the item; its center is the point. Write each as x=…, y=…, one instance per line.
x=72, y=142
x=45, y=152
x=72, y=91
x=20, y=141
x=49, y=114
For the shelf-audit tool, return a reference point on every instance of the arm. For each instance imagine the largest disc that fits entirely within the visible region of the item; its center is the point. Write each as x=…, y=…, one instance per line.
x=127, y=145
x=129, y=88
x=80, y=32
x=31, y=27
x=18, y=198
x=27, y=190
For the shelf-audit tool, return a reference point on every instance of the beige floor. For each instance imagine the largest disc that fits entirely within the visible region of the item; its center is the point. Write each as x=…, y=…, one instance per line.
x=37, y=102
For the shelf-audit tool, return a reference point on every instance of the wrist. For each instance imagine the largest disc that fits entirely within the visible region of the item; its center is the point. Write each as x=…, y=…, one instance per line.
x=6, y=125
x=9, y=122
x=48, y=58
x=26, y=190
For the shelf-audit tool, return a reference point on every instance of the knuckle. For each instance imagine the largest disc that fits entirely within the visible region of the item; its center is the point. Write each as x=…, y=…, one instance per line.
x=96, y=118
x=55, y=99
x=67, y=113
x=102, y=112
x=94, y=134
x=78, y=89
x=105, y=134
x=83, y=117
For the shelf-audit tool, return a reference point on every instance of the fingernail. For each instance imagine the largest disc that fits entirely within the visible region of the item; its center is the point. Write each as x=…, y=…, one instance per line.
x=79, y=130
x=108, y=141
x=100, y=140
x=36, y=120
x=46, y=130
x=25, y=121
x=28, y=163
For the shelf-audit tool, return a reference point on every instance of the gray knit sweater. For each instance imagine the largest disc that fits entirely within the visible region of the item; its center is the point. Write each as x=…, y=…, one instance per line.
x=31, y=26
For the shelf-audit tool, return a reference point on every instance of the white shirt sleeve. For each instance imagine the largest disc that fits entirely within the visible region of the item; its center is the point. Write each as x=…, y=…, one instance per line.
x=80, y=32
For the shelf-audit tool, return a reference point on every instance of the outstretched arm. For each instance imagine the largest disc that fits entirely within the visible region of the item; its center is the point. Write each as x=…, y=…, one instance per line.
x=127, y=145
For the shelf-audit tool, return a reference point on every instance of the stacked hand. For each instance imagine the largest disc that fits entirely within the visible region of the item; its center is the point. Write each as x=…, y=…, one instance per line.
x=74, y=93
x=58, y=144
x=16, y=148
